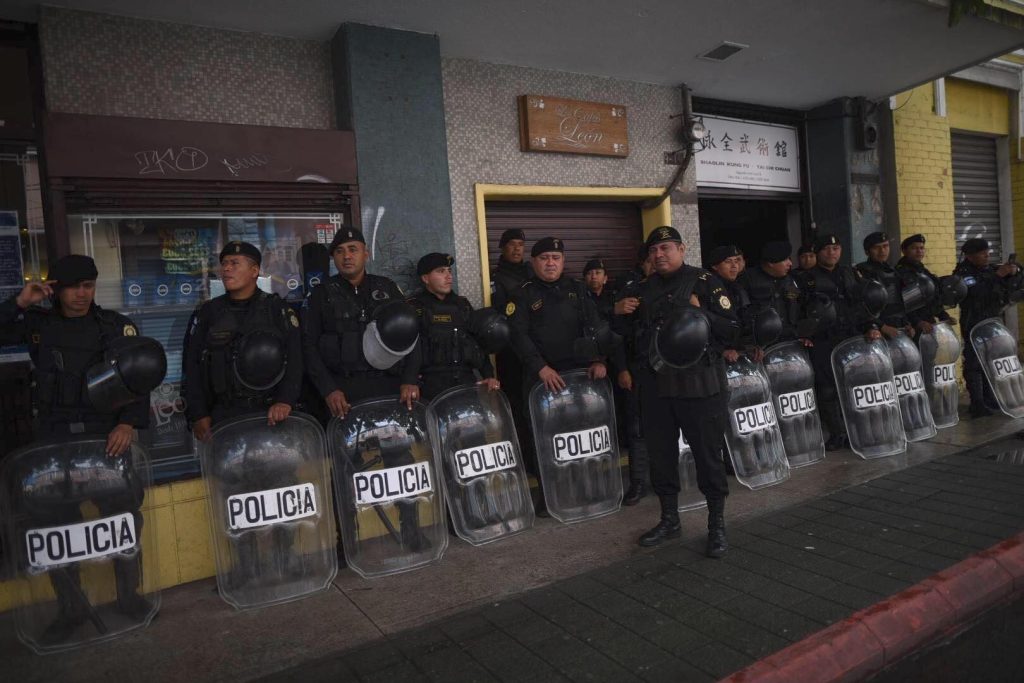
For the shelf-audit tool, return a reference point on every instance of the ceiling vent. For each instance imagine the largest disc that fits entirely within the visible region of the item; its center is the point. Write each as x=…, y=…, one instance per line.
x=723, y=51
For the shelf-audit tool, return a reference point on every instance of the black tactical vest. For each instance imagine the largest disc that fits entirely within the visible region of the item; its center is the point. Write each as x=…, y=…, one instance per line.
x=781, y=294
x=445, y=343
x=893, y=313
x=226, y=329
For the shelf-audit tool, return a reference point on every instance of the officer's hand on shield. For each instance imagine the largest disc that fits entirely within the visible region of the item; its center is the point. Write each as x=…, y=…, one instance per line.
x=337, y=403
x=278, y=413
x=625, y=380
x=597, y=370
x=34, y=292
x=757, y=354
x=731, y=355
x=924, y=327
x=408, y=393
x=872, y=335
x=889, y=331
x=491, y=383
x=552, y=380
x=806, y=342
x=626, y=306
x=119, y=440
x=201, y=428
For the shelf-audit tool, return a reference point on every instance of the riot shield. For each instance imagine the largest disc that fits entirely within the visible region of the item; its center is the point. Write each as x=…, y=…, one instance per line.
x=389, y=500
x=867, y=395
x=791, y=377
x=753, y=438
x=480, y=462
x=577, y=447
x=997, y=352
x=74, y=534
x=915, y=406
x=940, y=349
x=271, y=513
x=690, y=497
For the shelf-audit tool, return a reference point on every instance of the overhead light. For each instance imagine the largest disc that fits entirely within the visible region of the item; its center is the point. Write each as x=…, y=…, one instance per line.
x=723, y=51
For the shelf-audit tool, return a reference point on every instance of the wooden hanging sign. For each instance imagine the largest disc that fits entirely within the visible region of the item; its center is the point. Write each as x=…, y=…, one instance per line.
x=556, y=124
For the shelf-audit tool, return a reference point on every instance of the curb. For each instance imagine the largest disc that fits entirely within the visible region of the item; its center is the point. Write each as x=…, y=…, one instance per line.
x=872, y=638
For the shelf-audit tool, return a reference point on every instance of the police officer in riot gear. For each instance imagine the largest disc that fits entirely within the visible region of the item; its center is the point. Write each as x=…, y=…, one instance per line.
x=770, y=285
x=840, y=284
x=595, y=277
x=691, y=399
x=878, y=268
x=506, y=278
x=448, y=353
x=988, y=291
x=243, y=349
x=64, y=342
x=912, y=264
x=727, y=263
x=806, y=257
x=335, y=316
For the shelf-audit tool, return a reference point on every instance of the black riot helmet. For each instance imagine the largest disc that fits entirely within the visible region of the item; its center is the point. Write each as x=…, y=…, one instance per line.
x=820, y=314
x=131, y=368
x=680, y=339
x=873, y=297
x=952, y=290
x=767, y=326
x=490, y=329
x=391, y=335
x=260, y=360
x=918, y=290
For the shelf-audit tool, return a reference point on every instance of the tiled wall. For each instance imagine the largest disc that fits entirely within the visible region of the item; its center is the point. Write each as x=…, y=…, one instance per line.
x=483, y=145
x=118, y=66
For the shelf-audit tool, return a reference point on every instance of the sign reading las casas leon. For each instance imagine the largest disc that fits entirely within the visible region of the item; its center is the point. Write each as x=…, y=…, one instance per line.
x=748, y=155
x=555, y=124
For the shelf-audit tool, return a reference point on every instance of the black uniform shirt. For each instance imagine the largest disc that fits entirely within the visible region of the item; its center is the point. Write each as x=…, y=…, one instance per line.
x=506, y=278
x=605, y=303
x=199, y=397
x=841, y=285
x=441, y=320
x=987, y=293
x=893, y=314
x=779, y=293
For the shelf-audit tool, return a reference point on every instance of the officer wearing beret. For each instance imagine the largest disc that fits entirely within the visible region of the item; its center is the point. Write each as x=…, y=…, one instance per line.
x=506, y=278
x=243, y=349
x=911, y=263
x=64, y=342
x=877, y=267
x=595, y=276
x=840, y=285
x=770, y=285
x=448, y=354
x=335, y=315
x=727, y=263
x=692, y=399
x=806, y=257
x=988, y=290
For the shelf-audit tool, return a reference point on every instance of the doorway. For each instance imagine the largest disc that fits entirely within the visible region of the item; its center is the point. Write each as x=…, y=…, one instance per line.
x=747, y=223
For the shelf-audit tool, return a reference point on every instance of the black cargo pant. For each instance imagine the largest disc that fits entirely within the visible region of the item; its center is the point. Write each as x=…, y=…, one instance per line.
x=639, y=460
x=825, y=390
x=702, y=421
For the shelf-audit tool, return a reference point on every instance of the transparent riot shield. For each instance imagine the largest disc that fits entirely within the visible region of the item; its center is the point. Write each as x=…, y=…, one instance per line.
x=690, y=497
x=74, y=535
x=940, y=349
x=791, y=377
x=389, y=499
x=480, y=462
x=915, y=406
x=577, y=447
x=753, y=438
x=997, y=350
x=867, y=395
x=271, y=513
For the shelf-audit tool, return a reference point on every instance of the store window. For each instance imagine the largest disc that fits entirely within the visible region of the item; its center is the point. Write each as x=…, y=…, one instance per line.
x=157, y=268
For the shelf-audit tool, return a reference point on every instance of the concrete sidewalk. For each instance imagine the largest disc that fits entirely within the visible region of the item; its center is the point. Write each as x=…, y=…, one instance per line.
x=801, y=559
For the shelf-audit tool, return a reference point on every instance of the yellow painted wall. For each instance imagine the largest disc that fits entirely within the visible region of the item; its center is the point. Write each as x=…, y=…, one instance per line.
x=977, y=107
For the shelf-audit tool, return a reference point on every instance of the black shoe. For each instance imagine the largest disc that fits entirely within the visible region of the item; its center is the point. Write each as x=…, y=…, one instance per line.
x=134, y=606
x=637, y=490
x=61, y=629
x=980, y=410
x=667, y=528
x=718, y=545
x=836, y=442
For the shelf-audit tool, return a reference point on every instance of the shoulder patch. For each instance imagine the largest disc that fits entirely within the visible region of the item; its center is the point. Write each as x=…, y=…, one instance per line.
x=129, y=330
x=510, y=308
x=704, y=275
x=724, y=302
x=292, y=318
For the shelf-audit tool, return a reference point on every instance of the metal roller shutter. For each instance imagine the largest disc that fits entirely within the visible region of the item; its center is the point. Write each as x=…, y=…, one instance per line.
x=612, y=231
x=976, y=191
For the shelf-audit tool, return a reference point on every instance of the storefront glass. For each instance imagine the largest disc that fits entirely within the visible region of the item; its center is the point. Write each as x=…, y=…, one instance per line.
x=157, y=268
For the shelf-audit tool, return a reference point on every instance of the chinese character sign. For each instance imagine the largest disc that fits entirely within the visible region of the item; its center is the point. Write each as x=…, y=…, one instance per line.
x=748, y=155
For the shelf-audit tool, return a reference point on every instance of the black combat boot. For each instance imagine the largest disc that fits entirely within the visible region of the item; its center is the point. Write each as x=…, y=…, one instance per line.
x=836, y=442
x=668, y=527
x=72, y=606
x=412, y=536
x=637, y=490
x=976, y=388
x=717, y=543
x=129, y=602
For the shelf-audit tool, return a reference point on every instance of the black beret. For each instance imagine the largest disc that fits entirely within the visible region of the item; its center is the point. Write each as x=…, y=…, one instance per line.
x=974, y=245
x=509, y=235
x=875, y=239
x=719, y=254
x=913, y=239
x=72, y=269
x=432, y=261
x=594, y=264
x=663, y=234
x=345, y=235
x=242, y=249
x=547, y=244
x=805, y=249
x=776, y=252
x=824, y=241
